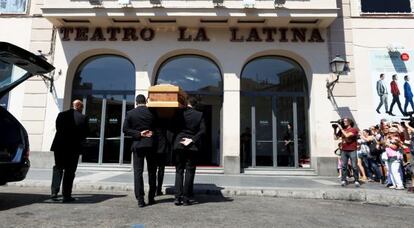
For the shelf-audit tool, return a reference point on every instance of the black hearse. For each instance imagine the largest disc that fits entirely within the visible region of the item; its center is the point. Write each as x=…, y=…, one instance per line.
x=16, y=66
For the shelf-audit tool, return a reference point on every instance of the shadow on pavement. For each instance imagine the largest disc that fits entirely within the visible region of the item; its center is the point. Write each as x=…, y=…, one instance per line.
x=203, y=193
x=14, y=200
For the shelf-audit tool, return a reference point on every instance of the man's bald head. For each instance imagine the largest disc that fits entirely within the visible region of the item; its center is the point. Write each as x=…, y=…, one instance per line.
x=77, y=105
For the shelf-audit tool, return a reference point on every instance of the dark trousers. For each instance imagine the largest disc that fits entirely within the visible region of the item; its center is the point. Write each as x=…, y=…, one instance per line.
x=396, y=99
x=352, y=155
x=138, y=164
x=184, y=183
x=372, y=165
x=65, y=167
x=161, y=159
x=408, y=101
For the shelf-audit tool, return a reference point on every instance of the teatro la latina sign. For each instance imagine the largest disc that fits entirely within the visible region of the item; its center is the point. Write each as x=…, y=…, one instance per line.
x=266, y=34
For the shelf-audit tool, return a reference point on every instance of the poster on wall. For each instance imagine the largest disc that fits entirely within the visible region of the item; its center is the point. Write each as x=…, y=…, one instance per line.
x=13, y=6
x=393, y=84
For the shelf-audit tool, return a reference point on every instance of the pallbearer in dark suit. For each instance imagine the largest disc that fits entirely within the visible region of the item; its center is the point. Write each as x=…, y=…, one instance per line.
x=71, y=131
x=186, y=147
x=163, y=138
x=139, y=123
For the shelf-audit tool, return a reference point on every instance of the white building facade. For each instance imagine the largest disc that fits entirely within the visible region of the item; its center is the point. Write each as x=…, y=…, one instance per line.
x=259, y=70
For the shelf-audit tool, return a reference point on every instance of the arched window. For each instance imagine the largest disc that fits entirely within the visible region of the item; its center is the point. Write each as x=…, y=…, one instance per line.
x=199, y=77
x=106, y=84
x=273, y=74
x=104, y=73
x=273, y=117
x=192, y=73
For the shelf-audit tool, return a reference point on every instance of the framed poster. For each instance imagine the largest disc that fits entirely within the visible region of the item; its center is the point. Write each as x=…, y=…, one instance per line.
x=392, y=84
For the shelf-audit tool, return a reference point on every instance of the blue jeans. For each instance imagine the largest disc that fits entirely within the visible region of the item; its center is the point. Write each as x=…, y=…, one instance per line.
x=345, y=156
x=372, y=165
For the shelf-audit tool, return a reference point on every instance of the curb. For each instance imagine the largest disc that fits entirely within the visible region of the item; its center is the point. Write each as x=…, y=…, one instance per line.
x=378, y=197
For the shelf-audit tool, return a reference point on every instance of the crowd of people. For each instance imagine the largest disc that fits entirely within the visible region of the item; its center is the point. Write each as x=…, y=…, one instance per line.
x=383, y=153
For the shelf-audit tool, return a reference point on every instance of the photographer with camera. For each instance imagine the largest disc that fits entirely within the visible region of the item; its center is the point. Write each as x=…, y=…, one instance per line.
x=345, y=130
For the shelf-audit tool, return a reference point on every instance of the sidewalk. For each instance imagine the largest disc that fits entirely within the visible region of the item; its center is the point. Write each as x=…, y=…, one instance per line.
x=303, y=187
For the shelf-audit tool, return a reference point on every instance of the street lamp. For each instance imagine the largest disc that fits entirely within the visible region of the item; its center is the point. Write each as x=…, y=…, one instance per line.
x=338, y=66
x=279, y=3
x=95, y=2
x=218, y=3
x=156, y=3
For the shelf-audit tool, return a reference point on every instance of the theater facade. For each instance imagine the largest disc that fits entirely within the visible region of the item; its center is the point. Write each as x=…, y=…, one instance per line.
x=259, y=72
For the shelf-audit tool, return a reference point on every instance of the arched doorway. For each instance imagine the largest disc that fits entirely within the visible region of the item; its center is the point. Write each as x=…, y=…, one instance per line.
x=106, y=84
x=199, y=77
x=273, y=116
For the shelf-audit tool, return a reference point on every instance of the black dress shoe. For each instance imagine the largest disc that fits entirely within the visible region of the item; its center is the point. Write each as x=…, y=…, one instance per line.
x=141, y=203
x=68, y=199
x=391, y=114
x=186, y=202
x=178, y=202
x=54, y=196
x=159, y=193
x=151, y=201
x=378, y=111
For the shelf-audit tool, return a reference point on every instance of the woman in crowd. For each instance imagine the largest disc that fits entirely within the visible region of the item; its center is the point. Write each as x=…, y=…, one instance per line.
x=393, y=145
x=362, y=154
x=371, y=159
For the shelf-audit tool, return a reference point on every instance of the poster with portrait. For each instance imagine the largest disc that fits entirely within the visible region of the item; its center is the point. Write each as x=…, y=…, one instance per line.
x=393, y=95
x=13, y=6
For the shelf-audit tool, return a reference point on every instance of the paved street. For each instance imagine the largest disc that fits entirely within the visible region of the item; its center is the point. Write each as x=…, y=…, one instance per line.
x=31, y=207
x=299, y=187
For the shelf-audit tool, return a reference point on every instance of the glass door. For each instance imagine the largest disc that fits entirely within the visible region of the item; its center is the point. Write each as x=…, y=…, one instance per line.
x=262, y=116
x=106, y=143
x=93, y=109
x=278, y=136
x=285, y=130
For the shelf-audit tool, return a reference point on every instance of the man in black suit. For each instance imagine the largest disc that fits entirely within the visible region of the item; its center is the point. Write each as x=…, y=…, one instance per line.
x=71, y=131
x=187, y=144
x=162, y=157
x=139, y=124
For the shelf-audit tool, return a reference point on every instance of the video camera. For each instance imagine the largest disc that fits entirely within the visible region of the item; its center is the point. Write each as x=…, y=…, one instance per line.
x=410, y=118
x=340, y=122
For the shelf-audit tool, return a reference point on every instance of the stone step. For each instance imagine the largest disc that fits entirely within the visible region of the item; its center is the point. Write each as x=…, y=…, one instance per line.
x=280, y=171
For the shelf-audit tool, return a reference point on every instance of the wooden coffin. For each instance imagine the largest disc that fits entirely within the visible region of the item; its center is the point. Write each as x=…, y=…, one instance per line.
x=166, y=96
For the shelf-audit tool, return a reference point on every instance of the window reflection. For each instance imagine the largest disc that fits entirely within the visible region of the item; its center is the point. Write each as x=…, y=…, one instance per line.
x=191, y=73
x=201, y=78
x=272, y=74
x=106, y=83
x=105, y=72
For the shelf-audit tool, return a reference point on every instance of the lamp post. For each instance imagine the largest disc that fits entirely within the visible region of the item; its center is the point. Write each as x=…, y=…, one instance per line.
x=218, y=3
x=337, y=65
x=279, y=3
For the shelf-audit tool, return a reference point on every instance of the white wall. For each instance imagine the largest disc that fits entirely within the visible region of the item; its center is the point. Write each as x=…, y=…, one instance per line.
x=17, y=32
x=371, y=35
